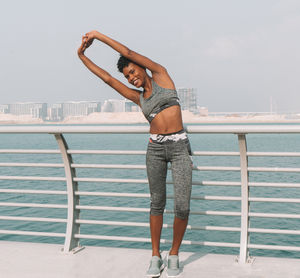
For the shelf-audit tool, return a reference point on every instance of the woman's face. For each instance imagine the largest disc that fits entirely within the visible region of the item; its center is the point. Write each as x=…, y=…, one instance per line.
x=135, y=75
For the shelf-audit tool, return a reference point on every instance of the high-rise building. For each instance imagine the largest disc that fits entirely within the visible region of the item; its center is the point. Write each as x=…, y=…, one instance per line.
x=36, y=110
x=119, y=105
x=80, y=108
x=188, y=99
x=130, y=106
x=55, y=112
x=114, y=105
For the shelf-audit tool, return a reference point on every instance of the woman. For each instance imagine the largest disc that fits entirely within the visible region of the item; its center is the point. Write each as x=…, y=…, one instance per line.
x=168, y=141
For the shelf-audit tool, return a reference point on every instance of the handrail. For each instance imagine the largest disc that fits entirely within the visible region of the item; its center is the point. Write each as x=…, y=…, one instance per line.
x=73, y=221
x=207, y=129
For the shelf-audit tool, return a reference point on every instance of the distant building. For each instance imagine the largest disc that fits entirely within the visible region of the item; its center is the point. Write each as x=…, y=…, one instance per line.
x=114, y=105
x=119, y=105
x=55, y=112
x=79, y=108
x=188, y=99
x=130, y=106
x=4, y=108
x=35, y=110
x=60, y=111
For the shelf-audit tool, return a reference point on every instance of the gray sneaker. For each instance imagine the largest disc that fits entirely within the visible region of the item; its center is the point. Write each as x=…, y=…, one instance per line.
x=155, y=268
x=173, y=266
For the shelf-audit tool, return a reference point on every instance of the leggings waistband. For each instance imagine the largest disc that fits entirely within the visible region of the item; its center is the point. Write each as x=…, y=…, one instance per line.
x=170, y=137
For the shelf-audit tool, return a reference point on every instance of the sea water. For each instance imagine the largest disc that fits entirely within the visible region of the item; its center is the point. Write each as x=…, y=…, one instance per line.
x=199, y=142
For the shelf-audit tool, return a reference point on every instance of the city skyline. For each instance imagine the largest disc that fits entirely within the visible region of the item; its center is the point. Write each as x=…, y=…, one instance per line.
x=237, y=54
x=62, y=110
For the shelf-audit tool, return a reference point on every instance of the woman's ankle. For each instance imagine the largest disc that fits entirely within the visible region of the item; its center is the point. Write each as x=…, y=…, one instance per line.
x=156, y=253
x=173, y=252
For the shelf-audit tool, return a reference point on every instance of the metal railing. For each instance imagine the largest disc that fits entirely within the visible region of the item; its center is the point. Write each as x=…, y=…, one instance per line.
x=72, y=234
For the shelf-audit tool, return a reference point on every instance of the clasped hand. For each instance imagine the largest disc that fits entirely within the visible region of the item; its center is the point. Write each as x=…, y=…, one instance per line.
x=87, y=40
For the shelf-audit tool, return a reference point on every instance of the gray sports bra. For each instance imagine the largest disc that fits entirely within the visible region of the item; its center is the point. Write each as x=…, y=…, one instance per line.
x=159, y=100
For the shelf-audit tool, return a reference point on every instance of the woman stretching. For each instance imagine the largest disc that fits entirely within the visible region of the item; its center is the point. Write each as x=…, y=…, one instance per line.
x=168, y=142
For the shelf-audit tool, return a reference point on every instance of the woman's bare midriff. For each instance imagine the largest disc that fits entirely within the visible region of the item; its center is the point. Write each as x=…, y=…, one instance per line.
x=167, y=121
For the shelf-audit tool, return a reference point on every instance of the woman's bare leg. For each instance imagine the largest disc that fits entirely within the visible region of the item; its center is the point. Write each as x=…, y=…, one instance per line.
x=156, y=223
x=179, y=228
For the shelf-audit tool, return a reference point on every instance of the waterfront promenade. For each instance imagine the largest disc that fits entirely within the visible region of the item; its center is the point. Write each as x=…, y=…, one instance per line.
x=272, y=227
x=38, y=260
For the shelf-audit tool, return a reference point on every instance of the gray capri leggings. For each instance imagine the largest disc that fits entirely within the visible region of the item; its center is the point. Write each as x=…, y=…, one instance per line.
x=157, y=158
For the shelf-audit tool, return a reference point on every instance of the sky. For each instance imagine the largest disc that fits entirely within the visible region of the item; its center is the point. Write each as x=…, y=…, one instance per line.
x=240, y=55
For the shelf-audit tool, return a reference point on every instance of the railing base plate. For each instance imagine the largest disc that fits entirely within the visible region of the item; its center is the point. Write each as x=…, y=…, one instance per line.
x=73, y=251
x=249, y=261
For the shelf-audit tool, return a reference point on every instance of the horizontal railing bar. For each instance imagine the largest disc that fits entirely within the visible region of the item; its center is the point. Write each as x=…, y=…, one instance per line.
x=140, y=239
x=274, y=215
x=29, y=233
x=213, y=198
x=211, y=153
x=220, y=228
x=108, y=180
x=205, y=129
x=32, y=178
x=33, y=219
x=216, y=168
x=274, y=231
x=221, y=183
x=273, y=169
x=274, y=200
x=194, y=153
x=32, y=205
x=208, y=243
x=146, y=195
x=292, y=154
x=274, y=247
x=109, y=166
x=117, y=238
x=140, y=224
x=106, y=152
x=209, y=212
x=112, y=194
x=113, y=223
x=50, y=165
x=74, y=129
x=25, y=191
x=29, y=151
x=143, y=167
x=243, y=129
x=269, y=184
x=128, y=209
x=111, y=180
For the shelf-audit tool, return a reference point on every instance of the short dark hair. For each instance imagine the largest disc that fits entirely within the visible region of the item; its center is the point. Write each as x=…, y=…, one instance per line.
x=123, y=62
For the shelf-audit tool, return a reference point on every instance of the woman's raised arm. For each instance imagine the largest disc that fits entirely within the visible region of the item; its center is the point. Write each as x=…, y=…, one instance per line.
x=104, y=75
x=126, y=52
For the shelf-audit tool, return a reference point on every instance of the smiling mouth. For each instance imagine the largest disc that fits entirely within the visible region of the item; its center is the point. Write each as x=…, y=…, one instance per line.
x=135, y=81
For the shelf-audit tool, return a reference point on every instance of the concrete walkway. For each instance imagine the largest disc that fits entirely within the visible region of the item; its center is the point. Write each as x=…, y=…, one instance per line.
x=38, y=260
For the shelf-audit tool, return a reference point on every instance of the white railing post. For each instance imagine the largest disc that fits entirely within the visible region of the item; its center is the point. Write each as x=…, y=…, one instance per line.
x=71, y=243
x=243, y=258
